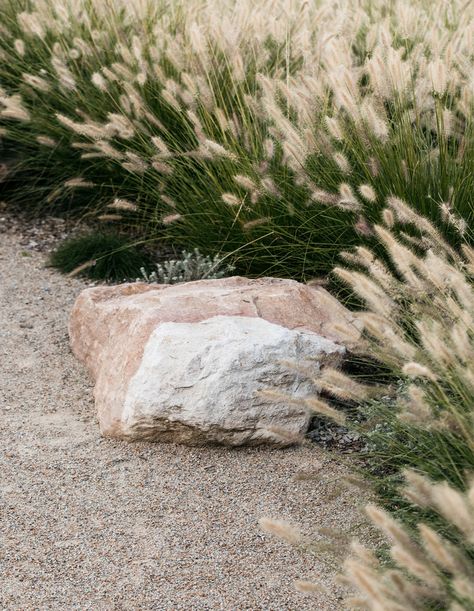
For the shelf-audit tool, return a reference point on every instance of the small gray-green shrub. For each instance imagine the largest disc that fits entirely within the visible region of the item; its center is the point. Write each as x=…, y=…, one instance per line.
x=191, y=266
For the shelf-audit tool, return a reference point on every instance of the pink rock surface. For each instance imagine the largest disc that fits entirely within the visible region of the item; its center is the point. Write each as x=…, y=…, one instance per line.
x=110, y=326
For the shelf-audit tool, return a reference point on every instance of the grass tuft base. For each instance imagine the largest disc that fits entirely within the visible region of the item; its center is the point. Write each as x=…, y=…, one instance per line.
x=99, y=256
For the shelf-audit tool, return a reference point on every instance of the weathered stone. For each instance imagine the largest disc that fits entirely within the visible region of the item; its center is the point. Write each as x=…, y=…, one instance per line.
x=203, y=382
x=110, y=326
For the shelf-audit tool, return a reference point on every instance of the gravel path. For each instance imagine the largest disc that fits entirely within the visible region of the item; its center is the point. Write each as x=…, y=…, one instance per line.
x=91, y=523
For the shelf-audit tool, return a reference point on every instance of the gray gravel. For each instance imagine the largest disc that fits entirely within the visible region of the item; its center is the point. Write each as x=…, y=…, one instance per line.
x=91, y=523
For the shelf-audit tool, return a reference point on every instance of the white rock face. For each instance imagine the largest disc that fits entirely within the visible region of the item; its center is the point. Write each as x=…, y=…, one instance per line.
x=200, y=382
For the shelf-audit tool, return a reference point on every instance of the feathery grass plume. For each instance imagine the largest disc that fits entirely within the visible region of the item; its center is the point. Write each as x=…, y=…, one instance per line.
x=123, y=204
x=256, y=223
x=334, y=128
x=269, y=186
x=322, y=408
x=13, y=108
x=454, y=508
x=79, y=183
x=347, y=198
x=282, y=530
x=171, y=218
x=363, y=227
x=245, y=181
x=370, y=291
x=161, y=146
x=162, y=167
x=342, y=162
x=135, y=164
x=19, y=45
x=46, y=141
x=167, y=200
x=443, y=553
x=312, y=404
x=81, y=268
x=416, y=410
x=91, y=130
x=341, y=385
x=64, y=74
x=377, y=125
x=99, y=81
x=36, y=82
x=110, y=217
x=269, y=146
x=388, y=218
x=438, y=76
x=323, y=197
x=367, y=193
x=415, y=370
x=231, y=200
x=213, y=148
x=308, y=587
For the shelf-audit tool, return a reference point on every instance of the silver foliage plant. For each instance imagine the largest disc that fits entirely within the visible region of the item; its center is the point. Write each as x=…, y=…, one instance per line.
x=192, y=265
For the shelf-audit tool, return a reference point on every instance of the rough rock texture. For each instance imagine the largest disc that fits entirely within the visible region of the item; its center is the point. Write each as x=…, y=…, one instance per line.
x=202, y=382
x=110, y=326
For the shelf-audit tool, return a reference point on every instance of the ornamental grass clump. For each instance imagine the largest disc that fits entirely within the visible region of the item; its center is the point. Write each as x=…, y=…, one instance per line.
x=274, y=138
x=420, y=327
x=418, y=330
x=100, y=256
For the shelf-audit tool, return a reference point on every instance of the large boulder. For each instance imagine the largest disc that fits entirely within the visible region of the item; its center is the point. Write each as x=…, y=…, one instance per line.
x=132, y=339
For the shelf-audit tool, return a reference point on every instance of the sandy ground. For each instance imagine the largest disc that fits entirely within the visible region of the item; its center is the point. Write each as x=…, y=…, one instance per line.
x=92, y=523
